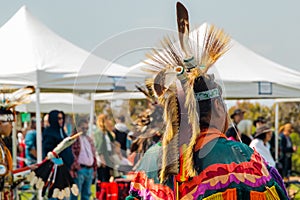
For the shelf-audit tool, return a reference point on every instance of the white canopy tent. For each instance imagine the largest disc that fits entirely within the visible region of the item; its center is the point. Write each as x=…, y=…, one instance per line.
x=34, y=55
x=68, y=102
x=31, y=54
x=245, y=74
x=118, y=95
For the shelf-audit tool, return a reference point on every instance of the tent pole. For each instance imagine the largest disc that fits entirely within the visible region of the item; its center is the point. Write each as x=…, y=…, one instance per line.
x=14, y=145
x=276, y=130
x=38, y=132
x=38, y=126
x=92, y=110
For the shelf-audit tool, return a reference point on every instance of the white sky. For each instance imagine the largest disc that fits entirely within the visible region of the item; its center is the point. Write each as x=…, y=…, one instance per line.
x=270, y=28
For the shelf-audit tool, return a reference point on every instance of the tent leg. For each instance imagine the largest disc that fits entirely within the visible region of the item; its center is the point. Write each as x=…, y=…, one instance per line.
x=38, y=132
x=14, y=145
x=38, y=126
x=91, y=122
x=276, y=130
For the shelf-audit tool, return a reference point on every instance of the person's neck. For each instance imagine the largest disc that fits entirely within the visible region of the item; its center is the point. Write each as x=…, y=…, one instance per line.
x=265, y=142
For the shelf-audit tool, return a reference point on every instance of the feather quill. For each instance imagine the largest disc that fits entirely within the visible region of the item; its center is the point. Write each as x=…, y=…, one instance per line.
x=21, y=96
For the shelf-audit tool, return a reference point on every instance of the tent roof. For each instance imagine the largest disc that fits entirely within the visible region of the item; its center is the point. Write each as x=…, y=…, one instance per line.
x=245, y=74
x=67, y=102
x=287, y=100
x=32, y=54
x=118, y=95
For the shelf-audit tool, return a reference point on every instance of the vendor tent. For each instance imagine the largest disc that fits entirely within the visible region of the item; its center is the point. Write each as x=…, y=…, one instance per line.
x=67, y=102
x=245, y=74
x=31, y=54
x=34, y=55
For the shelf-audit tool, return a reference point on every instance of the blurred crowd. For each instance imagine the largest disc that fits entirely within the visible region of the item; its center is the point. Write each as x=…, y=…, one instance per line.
x=259, y=135
x=104, y=152
x=110, y=149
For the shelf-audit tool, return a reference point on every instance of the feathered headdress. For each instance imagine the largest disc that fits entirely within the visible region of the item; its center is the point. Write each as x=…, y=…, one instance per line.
x=176, y=70
x=21, y=96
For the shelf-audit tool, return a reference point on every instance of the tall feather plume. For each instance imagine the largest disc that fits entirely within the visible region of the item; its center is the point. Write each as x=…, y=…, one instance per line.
x=183, y=29
x=215, y=45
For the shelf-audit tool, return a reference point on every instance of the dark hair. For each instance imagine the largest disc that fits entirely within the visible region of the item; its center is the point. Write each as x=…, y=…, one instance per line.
x=205, y=83
x=33, y=123
x=261, y=136
x=122, y=118
x=231, y=132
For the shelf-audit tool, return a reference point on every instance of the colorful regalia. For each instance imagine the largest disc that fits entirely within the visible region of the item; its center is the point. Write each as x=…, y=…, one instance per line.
x=195, y=160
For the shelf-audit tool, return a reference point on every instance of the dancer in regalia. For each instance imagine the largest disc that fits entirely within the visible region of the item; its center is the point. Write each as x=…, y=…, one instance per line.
x=7, y=117
x=195, y=160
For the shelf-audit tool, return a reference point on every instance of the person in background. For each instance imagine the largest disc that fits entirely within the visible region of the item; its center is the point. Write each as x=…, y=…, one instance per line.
x=233, y=132
x=30, y=143
x=45, y=123
x=69, y=125
x=261, y=144
x=54, y=134
x=21, y=149
x=104, y=139
x=286, y=149
x=121, y=132
x=130, y=139
x=121, y=163
x=259, y=122
x=84, y=167
x=245, y=128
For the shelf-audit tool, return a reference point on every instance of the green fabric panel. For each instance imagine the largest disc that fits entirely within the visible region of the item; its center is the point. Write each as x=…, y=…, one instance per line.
x=221, y=151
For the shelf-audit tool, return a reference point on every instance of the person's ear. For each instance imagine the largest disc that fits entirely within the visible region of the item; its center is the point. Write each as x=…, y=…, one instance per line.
x=218, y=107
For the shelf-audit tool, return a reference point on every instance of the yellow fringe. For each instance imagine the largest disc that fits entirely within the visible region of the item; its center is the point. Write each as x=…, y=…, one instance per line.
x=172, y=127
x=229, y=194
x=191, y=105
